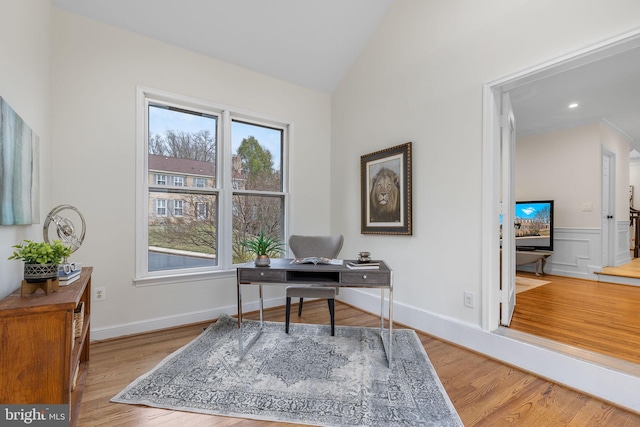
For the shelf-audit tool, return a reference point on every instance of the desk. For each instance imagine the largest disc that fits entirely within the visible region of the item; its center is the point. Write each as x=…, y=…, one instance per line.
x=282, y=272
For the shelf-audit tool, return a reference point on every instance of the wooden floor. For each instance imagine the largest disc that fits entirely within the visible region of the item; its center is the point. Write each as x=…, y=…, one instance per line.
x=485, y=392
x=595, y=316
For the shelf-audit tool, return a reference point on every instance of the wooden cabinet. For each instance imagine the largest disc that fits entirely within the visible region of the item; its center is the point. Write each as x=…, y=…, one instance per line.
x=40, y=356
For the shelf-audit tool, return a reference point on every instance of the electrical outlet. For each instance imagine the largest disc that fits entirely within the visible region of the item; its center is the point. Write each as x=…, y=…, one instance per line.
x=469, y=299
x=99, y=294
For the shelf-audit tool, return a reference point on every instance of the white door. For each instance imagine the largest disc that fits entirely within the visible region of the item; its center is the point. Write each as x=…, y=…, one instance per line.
x=508, y=253
x=608, y=204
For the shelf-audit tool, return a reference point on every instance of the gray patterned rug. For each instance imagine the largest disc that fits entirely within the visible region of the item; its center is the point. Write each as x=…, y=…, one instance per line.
x=306, y=377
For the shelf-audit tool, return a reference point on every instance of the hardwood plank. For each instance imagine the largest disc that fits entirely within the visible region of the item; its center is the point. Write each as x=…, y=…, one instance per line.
x=596, y=316
x=485, y=392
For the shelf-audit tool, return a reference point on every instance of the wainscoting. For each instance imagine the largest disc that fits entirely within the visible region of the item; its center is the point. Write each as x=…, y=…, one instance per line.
x=577, y=252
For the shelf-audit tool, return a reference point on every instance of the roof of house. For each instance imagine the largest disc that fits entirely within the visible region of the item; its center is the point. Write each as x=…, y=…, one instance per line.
x=184, y=166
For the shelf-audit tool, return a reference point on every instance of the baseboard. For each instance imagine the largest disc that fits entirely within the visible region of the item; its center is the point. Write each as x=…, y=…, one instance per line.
x=559, y=364
x=158, y=323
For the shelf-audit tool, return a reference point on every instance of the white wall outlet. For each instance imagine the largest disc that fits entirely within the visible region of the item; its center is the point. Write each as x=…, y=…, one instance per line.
x=99, y=294
x=469, y=299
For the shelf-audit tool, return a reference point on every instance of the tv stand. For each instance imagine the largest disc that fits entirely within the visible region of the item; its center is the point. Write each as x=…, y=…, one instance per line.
x=533, y=256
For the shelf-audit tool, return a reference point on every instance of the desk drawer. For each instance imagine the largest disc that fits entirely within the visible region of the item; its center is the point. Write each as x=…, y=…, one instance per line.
x=365, y=278
x=262, y=276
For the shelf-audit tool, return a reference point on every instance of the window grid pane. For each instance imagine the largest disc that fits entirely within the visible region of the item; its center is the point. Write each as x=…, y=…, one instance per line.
x=253, y=214
x=182, y=153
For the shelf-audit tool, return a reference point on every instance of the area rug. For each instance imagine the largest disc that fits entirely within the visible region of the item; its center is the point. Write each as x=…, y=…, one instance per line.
x=306, y=377
x=527, y=283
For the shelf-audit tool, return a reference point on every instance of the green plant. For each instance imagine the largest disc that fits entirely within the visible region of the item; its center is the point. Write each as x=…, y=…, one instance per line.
x=41, y=252
x=264, y=245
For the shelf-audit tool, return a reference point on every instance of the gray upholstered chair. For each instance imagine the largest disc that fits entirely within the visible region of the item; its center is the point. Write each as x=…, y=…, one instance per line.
x=313, y=246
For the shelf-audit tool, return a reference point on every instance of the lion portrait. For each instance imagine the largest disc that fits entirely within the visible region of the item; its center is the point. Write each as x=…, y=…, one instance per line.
x=384, y=199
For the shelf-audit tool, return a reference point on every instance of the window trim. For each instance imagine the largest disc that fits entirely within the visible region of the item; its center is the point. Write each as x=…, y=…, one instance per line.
x=225, y=268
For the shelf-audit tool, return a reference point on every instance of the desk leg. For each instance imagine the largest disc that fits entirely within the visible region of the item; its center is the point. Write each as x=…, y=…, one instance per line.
x=239, y=305
x=382, y=310
x=242, y=349
x=387, y=336
x=390, y=358
x=261, y=306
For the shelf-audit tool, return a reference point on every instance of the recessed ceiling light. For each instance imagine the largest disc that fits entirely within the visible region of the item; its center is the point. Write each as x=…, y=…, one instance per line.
x=573, y=105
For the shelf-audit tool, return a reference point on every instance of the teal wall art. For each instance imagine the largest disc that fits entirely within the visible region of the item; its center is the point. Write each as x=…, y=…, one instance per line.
x=19, y=169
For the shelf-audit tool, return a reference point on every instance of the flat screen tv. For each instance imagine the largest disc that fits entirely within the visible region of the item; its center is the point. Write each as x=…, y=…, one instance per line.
x=534, y=225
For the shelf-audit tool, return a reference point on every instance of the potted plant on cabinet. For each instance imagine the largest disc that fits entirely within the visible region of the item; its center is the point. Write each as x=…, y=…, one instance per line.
x=41, y=259
x=264, y=247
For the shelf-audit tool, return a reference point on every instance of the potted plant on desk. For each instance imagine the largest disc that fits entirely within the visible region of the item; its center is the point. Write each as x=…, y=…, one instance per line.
x=41, y=259
x=264, y=247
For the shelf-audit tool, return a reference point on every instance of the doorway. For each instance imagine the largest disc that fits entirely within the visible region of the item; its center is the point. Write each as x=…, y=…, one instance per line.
x=493, y=194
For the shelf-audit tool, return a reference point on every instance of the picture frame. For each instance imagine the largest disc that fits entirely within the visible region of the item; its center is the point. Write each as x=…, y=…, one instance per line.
x=19, y=169
x=385, y=191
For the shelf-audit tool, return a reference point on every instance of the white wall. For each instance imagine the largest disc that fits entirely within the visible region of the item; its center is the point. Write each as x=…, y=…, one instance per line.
x=420, y=79
x=25, y=84
x=96, y=69
x=565, y=166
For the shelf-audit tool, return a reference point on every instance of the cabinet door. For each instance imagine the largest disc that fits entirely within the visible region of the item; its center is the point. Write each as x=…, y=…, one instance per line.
x=34, y=365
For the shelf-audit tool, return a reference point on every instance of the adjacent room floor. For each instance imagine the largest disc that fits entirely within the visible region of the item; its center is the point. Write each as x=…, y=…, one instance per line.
x=595, y=316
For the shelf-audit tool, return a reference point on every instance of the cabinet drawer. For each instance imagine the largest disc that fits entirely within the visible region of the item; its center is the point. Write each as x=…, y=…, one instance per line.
x=261, y=276
x=365, y=278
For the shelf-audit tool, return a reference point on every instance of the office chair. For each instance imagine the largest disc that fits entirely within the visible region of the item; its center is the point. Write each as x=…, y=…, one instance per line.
x=313, y=246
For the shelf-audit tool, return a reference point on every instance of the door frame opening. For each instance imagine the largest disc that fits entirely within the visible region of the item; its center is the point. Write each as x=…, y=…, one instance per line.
x=492, y=190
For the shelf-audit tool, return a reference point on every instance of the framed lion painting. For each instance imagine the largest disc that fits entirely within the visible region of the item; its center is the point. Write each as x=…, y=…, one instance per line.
x=385, y=191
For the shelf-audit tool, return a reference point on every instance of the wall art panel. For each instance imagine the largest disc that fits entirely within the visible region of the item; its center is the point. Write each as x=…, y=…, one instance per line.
x=19, y=169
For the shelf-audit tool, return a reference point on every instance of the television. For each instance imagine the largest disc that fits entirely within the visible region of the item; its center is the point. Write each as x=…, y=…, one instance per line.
x=534, y=225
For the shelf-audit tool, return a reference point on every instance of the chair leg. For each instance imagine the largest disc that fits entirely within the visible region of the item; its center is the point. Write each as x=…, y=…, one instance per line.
x=287, y=315
x=300, y=308
x=331, y=303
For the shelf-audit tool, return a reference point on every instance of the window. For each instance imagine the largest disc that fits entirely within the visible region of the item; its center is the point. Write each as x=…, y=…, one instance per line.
x=200, y=182
x=160, y=207
x=202, y=210
x=209, y=179
x=178, y=208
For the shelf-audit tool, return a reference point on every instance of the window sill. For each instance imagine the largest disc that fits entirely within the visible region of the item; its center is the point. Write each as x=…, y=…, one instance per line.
x=172, y=279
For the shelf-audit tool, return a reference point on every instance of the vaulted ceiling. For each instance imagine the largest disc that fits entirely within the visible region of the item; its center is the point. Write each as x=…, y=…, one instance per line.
x=313, y=43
